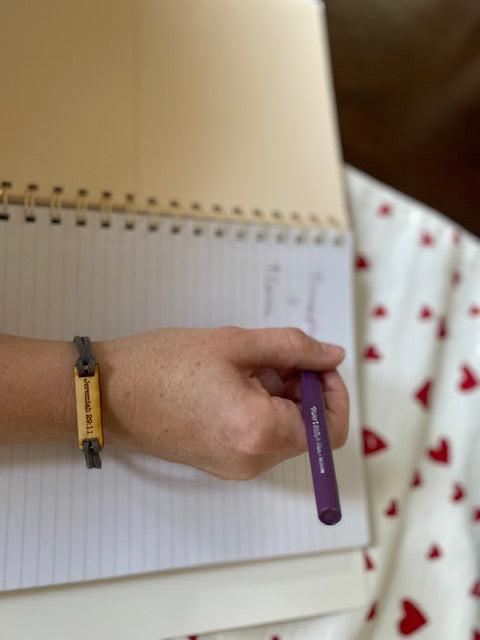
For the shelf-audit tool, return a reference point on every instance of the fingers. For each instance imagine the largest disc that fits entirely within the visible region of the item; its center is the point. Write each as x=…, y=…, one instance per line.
x=271, y=381
x=337, y=407
x=288, y=348
x=336, y=404
x=278, y=428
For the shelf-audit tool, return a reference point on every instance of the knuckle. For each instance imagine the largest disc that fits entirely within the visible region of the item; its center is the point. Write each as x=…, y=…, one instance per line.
x=296, y=339
x=255, y=441
x=253, y=432
x=248, y=472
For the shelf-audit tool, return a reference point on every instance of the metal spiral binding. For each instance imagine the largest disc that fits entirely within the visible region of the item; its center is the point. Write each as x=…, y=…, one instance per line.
x=106, y=210
x=339, y=233
x=153, y=213
x=130, y=212
x=176, y=225
x=4, y=189
x=81, y=208
x=200, y=218
x=56, y=205
x=239, y=217
x=29, y=203
x=275, y=224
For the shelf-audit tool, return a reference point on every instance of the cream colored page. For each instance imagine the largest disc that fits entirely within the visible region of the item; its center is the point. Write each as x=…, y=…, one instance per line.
x=190, y=601
x=236, y=105
x=68, y=112
x=214, y=101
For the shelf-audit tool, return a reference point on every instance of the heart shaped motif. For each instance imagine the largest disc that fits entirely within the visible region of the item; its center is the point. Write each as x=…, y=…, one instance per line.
x=412, y=618
x=423, y=394
x=427, y=239
x=362, y=262
x=385, y=209
x=379, y=311
x=476, y=515
x=458, y=492
x=372, y=612
x=369, y=565
x=456, y=278
x=392, y=509
x=476, y=589
x=425, y=313
x=372, y=353
x=476, y=634
x=442, y=328
x=372, y=442
x=474, y=310
x=417, y=479
x=456, y=236
x=440, y=453
x=434, y=552
x=469, y=380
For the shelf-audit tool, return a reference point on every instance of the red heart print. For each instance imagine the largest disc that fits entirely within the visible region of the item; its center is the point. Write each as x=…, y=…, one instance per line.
x=372, y=353
x=476, y=515
x=425, y=313
x=380, y=311
x=440, y=453
x=456, y=278
x=372, y=442
x=369, y=565
x=476, y=589
x=423, y=394
x=392, y=509
x=427, y=239
x=456, y=236
x=434, y=552
x=385, y=209
x=417, y=479
x=372, y=612
x=476, y=634
x=458, y=492
x=474, y=310
x=362, y=262
x=442, y=328
x=469, y=380
x=412, y=618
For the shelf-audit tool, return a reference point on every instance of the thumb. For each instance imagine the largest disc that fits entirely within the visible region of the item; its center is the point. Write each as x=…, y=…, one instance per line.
x=288, y=348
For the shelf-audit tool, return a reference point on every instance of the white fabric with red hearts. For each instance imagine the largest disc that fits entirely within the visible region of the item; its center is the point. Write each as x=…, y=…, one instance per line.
x=418, y=319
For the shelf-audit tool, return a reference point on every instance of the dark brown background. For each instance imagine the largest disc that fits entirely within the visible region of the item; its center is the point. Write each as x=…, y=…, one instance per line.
x=407, y=82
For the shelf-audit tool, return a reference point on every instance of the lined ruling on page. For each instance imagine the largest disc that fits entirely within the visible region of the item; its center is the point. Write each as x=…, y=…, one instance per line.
x=62, y=523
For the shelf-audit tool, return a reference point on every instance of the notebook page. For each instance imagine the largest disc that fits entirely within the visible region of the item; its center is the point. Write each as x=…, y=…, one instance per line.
x=216, y=101
x=66, y=524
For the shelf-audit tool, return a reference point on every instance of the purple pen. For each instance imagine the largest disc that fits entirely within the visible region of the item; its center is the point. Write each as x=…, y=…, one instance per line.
x=319, y=449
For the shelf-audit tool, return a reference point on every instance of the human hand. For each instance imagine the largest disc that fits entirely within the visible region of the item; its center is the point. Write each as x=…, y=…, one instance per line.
x=224, y=400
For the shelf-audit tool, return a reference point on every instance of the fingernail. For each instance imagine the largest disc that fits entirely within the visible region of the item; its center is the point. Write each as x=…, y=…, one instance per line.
x=333, y=349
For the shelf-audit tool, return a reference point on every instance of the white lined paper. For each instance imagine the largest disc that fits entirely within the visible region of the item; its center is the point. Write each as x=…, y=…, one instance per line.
x=145, y=514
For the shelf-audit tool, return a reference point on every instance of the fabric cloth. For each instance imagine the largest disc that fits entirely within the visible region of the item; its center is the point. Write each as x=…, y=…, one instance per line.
x=418, y=318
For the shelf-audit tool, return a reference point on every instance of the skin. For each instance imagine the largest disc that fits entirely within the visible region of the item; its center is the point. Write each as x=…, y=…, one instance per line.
x=224, y=400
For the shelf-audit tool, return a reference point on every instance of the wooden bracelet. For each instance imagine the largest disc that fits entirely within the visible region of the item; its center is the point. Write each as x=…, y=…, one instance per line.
x=89, y=411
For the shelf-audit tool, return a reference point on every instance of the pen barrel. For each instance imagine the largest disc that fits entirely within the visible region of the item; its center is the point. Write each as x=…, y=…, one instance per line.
x=319, y=449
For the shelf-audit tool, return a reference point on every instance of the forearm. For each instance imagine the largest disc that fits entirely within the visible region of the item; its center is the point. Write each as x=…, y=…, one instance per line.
x=224, y=400
x=37, y=396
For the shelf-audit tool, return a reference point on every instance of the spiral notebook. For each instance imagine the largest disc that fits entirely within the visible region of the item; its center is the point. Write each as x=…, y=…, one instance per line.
x=173, y=163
